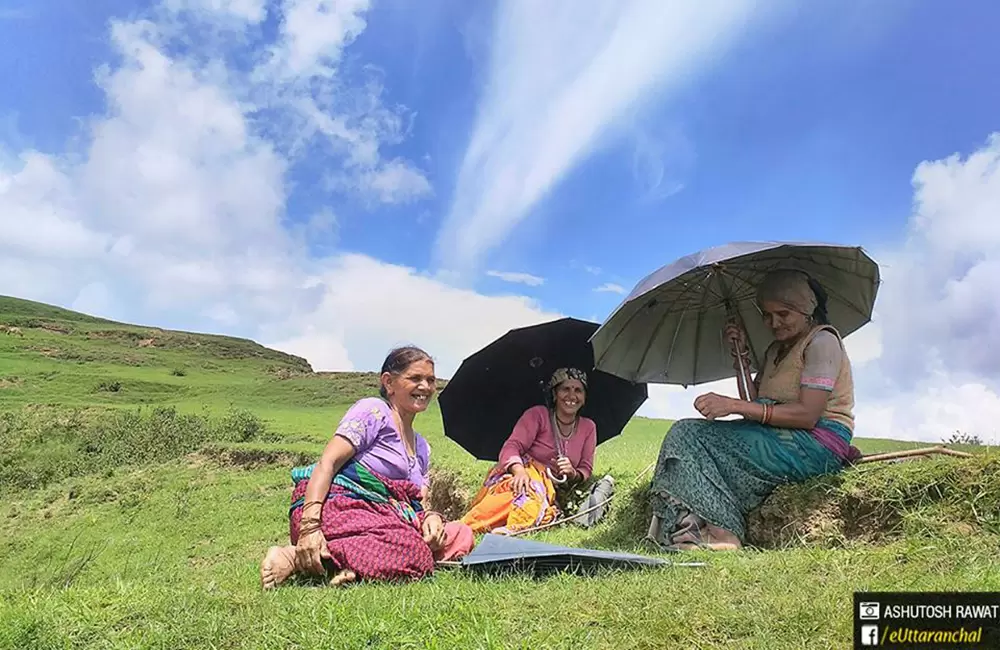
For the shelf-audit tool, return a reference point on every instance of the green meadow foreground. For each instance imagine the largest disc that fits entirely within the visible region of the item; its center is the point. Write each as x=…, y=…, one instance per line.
x=143, y=473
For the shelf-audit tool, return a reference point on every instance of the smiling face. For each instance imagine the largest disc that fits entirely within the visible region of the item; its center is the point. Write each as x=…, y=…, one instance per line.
x=786, y=324
x=411, y=390
x=570, y=396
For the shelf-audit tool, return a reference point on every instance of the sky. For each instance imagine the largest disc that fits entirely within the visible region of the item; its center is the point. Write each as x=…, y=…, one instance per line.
x=336, y=177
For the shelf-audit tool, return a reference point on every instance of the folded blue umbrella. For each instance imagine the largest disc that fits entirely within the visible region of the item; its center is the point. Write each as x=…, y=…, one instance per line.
x=499, y=554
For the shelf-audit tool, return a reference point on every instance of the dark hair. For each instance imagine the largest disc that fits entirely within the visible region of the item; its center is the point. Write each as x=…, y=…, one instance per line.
x=397, y=361
x=819, y=314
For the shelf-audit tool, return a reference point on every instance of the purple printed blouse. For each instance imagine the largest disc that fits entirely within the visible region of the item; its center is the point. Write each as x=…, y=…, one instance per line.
x=371, y=429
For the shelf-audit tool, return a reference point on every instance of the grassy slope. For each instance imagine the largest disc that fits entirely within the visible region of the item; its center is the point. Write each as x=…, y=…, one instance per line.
x=165, y=555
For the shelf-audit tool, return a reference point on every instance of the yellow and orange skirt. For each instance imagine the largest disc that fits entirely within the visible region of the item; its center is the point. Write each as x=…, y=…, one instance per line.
x=497, y=509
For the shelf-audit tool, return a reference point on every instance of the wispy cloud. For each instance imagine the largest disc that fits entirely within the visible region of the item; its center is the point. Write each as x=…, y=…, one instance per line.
x=517, y=278
x=14, y=13
x=611, y=287
x=661, y=162
x=562, y=73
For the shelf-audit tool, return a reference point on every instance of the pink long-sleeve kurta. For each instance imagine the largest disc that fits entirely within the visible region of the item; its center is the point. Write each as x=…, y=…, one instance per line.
x=533, y=437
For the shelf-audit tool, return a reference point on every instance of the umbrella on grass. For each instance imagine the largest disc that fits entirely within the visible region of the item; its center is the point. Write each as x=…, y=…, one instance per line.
x=500, y=554
x=496, y=385
x=670, y=327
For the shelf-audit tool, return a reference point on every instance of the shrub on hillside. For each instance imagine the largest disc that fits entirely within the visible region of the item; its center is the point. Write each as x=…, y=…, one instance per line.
x=961, y=438
x=39, y=446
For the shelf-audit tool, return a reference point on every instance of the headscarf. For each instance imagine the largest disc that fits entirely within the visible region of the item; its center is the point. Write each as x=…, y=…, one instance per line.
x=789, y=287
x=564, y=374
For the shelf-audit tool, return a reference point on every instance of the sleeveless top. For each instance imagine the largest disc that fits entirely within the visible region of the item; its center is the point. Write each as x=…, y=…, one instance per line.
x=781, y=381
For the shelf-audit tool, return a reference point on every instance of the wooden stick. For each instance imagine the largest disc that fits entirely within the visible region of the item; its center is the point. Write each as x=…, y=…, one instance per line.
x=908, y=453
x=954, y=452
x=557, y=522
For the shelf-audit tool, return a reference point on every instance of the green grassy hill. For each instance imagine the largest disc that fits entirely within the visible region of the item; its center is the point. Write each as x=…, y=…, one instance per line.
x=143, y=473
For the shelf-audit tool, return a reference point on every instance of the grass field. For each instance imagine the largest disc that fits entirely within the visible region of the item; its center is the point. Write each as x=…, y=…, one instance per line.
x=144, y=472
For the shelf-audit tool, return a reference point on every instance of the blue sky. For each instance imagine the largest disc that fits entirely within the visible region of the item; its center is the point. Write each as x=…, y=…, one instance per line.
x=520, y=155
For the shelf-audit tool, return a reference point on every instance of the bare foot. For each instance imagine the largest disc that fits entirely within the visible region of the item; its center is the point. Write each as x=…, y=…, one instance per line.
x=278, y=564
x=344, y=577
x=705, y=546
x=720, y=539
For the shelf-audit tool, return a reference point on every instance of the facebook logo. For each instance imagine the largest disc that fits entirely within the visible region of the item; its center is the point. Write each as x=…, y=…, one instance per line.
x=869, y=635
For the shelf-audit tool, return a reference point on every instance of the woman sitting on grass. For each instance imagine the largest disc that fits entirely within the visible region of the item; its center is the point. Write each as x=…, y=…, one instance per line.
x=711, y=474
x=550, y=445
x=358, y=510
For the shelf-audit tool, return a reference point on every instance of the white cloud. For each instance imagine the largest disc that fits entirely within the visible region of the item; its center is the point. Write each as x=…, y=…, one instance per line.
x=517, y=278
x=176, y=207
x=41, y=194
x=175, y=203
x=314, y=34
x=95, y=299
x=661, y=162
x=301, y=74
x=449, y=322
x=396, y=181
x=251, y=11
x=939, y=307
x=562, y=75
x=170, y=162
x=611, y=287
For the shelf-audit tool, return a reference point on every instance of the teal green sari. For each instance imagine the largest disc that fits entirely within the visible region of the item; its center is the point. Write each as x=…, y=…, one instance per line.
x=719, y=471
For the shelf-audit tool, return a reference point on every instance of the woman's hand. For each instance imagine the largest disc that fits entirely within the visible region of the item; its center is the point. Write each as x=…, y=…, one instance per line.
x=713, y=406
x=310, y=551
x=735, y=334
x=521, y=480
x=565, y=467
x=433, y=531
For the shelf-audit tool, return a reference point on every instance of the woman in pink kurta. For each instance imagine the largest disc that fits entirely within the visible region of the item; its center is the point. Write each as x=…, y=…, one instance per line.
x=550, y=447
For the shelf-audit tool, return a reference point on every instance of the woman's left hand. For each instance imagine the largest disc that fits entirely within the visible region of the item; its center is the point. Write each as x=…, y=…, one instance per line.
x=433, y=531
x=565, y=467
x=714, y=406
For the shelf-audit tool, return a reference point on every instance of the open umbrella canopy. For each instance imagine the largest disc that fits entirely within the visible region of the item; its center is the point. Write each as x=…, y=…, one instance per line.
x=496, y=385
x=499, y=554
x=670, y=327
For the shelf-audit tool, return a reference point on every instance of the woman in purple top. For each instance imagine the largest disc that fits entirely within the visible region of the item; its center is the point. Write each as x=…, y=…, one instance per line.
x=358, y=510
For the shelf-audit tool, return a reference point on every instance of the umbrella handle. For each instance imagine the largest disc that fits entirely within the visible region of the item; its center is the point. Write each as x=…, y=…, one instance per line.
x=556, y=480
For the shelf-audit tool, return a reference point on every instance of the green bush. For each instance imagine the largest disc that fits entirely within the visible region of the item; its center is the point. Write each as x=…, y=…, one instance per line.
x=39, y=446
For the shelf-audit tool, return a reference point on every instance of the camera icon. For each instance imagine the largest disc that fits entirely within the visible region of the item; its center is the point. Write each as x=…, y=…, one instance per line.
x=868, y=611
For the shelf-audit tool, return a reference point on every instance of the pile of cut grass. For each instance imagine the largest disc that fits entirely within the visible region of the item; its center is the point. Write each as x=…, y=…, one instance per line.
x=884, y=502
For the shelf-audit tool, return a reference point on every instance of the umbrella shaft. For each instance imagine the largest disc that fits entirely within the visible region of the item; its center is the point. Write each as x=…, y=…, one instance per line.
x=741, y=377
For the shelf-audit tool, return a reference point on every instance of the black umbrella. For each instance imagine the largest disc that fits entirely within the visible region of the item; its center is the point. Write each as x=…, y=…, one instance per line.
x=492, y=388
x=498, y=555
